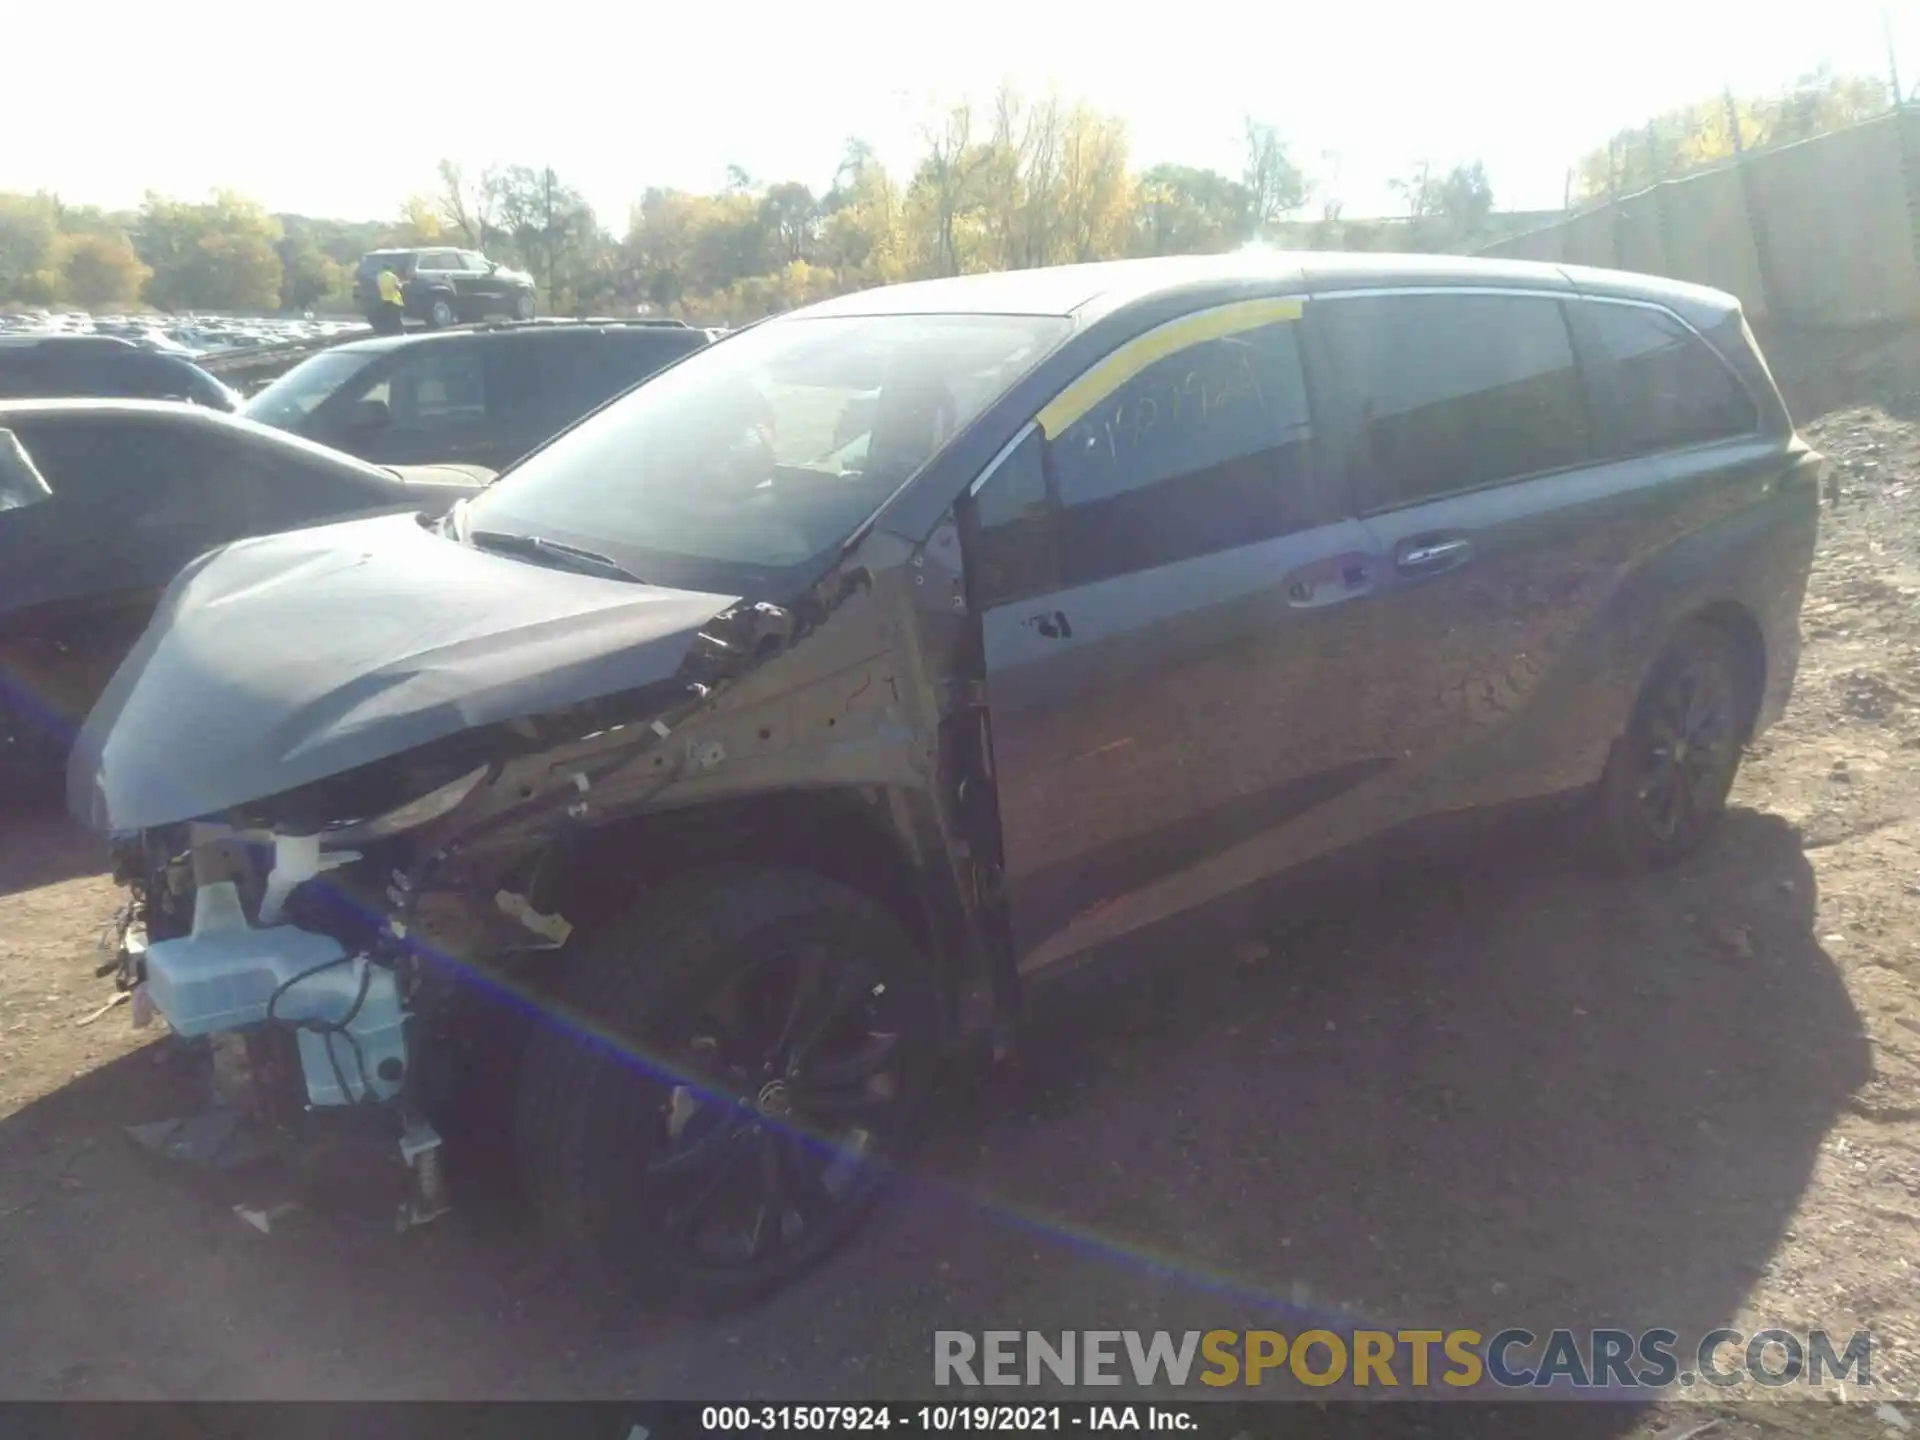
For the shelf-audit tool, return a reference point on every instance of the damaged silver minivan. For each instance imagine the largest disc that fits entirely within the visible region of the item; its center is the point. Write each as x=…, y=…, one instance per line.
x=758, y=737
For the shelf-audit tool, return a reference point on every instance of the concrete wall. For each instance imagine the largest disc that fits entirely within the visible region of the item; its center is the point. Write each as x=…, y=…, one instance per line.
x=1713, y=243
x=1826, y=221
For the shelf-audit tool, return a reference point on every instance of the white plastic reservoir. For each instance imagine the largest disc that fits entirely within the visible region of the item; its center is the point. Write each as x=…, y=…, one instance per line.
x=223, y=975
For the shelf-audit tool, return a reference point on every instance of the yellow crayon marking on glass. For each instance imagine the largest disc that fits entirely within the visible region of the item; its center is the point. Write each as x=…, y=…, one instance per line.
x=1163, y=340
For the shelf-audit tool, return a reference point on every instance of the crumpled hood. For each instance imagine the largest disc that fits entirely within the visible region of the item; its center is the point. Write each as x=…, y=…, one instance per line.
x=282, y=660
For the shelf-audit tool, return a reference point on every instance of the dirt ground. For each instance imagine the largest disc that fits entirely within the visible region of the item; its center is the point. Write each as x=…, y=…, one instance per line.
x=1515, y=1093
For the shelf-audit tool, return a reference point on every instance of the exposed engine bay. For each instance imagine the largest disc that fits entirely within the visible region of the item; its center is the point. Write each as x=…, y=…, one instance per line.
x=327, y=943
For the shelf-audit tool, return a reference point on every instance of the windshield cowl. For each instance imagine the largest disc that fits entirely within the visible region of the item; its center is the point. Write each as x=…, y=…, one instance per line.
x=552, y=552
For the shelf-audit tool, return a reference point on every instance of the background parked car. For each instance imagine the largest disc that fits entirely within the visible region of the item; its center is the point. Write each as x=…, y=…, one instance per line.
x=482, y=396
x=35, y=366
x=446, y=287
x=101, y=504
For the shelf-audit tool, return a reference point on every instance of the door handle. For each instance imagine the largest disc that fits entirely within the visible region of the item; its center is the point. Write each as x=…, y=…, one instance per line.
x=1425, y=557
x=1054, y=626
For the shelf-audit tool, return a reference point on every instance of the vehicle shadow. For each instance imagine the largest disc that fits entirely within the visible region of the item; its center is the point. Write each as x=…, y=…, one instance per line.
x=39, y=845
x=1482, y=1091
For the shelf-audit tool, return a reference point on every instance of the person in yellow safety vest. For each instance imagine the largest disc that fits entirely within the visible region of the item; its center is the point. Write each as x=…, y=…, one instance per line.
x=391, y=319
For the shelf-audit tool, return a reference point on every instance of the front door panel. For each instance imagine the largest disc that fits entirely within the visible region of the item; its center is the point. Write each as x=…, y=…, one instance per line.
x=1176, y=631
x=1150, y=727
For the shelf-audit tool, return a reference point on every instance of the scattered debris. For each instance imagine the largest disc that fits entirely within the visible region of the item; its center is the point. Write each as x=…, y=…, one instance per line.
x=119, y=999
x=1736, y=938
x=262, y=1220
x=214, y=1139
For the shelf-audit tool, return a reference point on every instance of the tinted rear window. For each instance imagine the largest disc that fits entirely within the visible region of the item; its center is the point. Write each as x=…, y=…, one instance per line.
x=637, y=353
x=1667, y=388
x=1454, y=392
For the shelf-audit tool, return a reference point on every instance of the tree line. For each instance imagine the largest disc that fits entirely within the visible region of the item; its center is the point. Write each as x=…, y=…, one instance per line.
x=1015, y=183
x=1718, y=128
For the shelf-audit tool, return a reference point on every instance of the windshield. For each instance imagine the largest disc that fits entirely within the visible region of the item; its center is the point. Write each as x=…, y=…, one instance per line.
x=20, y=483
x=767, y=451
x=296, y=394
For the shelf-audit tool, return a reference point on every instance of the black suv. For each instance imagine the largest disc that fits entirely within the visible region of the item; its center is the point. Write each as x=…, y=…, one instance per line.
x=446, y=287
x=39, y=367
x=479, y=396
x=772, y=731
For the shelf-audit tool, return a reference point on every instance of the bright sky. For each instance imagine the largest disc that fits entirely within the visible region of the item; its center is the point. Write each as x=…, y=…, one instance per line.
x=342, y=111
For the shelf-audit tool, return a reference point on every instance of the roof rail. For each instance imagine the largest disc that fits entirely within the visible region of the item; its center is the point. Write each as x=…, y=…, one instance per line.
x=22, y=339
x=554, y=321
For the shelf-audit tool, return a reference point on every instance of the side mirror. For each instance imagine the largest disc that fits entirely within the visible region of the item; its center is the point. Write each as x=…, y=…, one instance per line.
x=367, y=415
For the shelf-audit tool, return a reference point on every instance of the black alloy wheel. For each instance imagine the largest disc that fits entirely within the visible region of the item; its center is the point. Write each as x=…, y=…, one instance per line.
x=736, y=1060
x=1667, y=784
x=788, y=1083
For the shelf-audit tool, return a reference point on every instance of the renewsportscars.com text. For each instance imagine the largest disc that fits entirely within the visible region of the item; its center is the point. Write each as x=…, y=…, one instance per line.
x=1387, y=1360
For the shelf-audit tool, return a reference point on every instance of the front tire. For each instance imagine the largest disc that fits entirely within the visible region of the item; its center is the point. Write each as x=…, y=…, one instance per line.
x=1666, y=783
x=734, y=1059
x=523, y=305
x=440, y=314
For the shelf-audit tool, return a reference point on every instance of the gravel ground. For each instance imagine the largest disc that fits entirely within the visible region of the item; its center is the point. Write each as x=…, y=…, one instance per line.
x=1519, y=1093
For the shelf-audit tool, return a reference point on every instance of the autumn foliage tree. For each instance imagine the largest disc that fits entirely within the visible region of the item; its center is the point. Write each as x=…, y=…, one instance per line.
x=102, y=270
x=1010, y=182
x=1700, y=134
x=219, y=255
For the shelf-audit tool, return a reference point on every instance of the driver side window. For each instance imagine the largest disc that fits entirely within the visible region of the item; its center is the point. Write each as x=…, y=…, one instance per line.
x=431, y=385
x=1206, y=448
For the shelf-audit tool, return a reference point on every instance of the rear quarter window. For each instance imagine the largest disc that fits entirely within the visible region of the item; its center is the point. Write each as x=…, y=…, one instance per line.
x=1659, y=386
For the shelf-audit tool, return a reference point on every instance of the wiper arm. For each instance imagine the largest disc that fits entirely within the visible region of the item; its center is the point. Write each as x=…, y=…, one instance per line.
x=538, y=547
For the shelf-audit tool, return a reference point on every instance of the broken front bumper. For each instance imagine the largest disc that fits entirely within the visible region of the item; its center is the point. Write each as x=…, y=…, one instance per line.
x=299, y=1033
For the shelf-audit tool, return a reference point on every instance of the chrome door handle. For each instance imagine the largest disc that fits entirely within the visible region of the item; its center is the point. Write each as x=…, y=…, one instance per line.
x=1434, y=555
